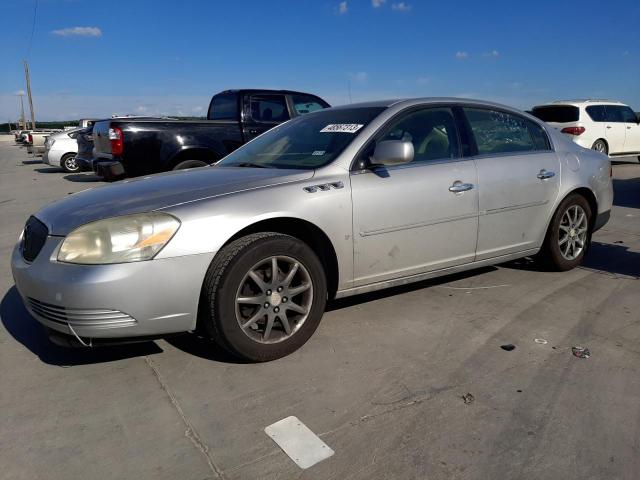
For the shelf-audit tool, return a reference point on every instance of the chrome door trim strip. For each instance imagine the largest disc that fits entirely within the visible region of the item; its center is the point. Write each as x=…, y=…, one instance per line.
x=369, y=233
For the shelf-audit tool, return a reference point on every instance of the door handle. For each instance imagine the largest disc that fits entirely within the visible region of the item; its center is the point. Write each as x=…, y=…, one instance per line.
x=459, y=187
x=544, y=174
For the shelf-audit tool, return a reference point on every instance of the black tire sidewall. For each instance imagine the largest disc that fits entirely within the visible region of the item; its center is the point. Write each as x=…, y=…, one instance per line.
x=224, y=302
x=553, y=249
x=63, y=163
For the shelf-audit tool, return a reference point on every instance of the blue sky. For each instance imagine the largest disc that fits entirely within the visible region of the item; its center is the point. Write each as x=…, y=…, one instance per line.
x=92, y=58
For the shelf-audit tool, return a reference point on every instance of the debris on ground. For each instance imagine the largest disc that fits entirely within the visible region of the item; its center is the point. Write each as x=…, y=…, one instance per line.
x=541, y=341
x=468, y=398
x=581, y=352
x=508, y=347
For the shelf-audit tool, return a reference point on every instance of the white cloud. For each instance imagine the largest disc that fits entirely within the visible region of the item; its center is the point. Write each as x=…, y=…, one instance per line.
x=342, y=8
x=400, y=7
x=78, y=32
x=198, y=109
x=359, y=77
x=492, y=53
x=19, y=92
x=423, y=81
x=377, y=3
x=462, y=55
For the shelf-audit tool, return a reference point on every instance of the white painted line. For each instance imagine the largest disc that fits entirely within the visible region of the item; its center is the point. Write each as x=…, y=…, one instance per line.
x=296, y=440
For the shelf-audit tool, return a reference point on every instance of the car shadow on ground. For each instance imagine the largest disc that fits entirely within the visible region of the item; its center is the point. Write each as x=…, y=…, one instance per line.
x=82, y=177
x=47, y=170
x=26, y=330
x=627, y=192
x=602, y=257
x=31, y=162
x=410, y=287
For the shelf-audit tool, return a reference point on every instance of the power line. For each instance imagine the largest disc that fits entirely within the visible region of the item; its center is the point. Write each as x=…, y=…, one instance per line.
x=33, y=28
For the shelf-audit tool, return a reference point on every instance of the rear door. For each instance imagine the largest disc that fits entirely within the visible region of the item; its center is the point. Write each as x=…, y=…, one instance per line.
x=263, y=112
x=632, y=136
x=518, y=178
x=615, y=129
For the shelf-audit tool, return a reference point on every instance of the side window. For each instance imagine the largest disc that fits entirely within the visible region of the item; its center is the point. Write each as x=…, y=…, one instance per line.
x=269, y=108
x=501, y=132
x=306, y=104
x=628, y=115
x=224, y=107
x=597, y=113
x=432, y=132
x=614, y=114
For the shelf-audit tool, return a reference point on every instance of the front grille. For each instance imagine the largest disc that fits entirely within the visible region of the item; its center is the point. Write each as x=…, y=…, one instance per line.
x=80, y=317
x=33, y=238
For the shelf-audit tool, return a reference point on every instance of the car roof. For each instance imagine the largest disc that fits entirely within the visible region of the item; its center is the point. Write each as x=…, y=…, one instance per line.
x=266, y=90
x=581, y=103
x=407, y=102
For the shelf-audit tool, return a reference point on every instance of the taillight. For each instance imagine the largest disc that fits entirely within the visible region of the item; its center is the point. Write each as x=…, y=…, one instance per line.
x=573, y=130
x=30, y=138
x=115, y=136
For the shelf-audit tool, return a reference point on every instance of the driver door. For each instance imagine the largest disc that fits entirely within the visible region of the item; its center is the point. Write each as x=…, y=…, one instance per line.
x=409, y=219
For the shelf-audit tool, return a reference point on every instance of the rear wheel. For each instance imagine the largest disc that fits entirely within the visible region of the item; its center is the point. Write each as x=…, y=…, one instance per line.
x=569, y=234
x=190, y=164
x=600, y=146
x=263, y=296
x=68, y=163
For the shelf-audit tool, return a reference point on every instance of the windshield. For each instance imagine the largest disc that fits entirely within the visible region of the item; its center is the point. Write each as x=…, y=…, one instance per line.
x=307, y=142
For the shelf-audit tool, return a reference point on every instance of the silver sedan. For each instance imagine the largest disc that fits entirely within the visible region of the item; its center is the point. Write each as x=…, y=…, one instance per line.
x=334, y=203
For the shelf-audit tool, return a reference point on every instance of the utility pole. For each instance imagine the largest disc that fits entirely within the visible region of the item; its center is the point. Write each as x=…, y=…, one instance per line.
x=23, y=124
x=28, y=78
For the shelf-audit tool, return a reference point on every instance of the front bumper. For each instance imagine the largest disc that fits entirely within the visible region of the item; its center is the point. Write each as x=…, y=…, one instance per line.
x=138, y=299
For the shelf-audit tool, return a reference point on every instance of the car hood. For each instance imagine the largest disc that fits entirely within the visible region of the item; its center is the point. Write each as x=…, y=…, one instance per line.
x=158, y=192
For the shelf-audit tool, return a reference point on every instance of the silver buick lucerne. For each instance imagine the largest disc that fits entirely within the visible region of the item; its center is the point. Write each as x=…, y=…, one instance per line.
x=334, y=203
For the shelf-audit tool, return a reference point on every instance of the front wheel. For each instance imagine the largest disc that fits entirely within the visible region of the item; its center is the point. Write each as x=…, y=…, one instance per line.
x=68, y=163
x=569, y=234
x=263, y=296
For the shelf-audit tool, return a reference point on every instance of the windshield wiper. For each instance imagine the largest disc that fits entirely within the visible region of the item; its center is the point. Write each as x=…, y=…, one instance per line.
x=251, y=165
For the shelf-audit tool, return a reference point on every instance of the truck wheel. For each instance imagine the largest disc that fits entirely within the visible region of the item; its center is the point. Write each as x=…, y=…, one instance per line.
x=68, y=163
x=569, y=234
x=263, y=296
x=190, y=164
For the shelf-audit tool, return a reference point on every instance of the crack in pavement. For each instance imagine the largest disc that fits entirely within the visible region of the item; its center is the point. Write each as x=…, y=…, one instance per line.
x=191, y=433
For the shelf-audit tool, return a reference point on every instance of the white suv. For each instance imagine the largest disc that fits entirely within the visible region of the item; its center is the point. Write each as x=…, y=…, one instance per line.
x=610, y=127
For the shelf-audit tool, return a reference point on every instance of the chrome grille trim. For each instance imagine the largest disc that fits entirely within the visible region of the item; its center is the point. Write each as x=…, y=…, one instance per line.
x=80, y=317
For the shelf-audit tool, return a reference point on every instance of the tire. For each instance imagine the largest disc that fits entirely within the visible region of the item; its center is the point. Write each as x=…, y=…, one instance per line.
x=600, y=146
x=190, y=164
x=68, y=163
x=230, y=279
x=556, y=252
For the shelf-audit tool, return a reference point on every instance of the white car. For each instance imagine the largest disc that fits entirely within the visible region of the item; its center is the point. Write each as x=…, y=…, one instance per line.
x=610, y=127
x=60, y=151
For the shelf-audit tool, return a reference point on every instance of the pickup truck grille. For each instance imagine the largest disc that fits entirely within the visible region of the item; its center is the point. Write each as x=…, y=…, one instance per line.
x=34, y=237
x=80, y=317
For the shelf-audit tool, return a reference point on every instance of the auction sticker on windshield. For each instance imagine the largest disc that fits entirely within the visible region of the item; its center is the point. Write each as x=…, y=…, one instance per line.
x=342, y=128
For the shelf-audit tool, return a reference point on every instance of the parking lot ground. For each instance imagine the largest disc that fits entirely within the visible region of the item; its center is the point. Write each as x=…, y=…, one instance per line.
x=381, y=381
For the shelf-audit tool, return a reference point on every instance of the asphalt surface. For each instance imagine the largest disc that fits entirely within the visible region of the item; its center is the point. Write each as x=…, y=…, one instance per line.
x=381, y=381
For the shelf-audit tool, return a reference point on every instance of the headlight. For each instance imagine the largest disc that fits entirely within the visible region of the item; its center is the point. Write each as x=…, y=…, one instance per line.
x=131, y=238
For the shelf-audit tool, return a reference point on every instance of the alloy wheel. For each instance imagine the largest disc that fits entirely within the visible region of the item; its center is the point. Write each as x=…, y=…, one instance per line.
x=274, y=299
x=573, y=229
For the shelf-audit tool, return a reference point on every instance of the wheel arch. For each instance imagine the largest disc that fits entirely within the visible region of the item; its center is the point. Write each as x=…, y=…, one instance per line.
x=307, y=232
x=585, y=192
x=194, y=153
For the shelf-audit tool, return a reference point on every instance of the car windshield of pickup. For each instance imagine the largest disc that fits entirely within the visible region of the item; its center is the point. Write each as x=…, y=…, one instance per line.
x=307, y=142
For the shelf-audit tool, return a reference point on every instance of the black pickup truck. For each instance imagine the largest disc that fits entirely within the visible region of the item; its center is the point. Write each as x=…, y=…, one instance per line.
x=133, y=147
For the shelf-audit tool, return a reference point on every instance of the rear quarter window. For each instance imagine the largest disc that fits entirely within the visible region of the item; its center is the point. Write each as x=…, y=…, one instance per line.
x=597, y=113
x=557, y=113
x=224, y=107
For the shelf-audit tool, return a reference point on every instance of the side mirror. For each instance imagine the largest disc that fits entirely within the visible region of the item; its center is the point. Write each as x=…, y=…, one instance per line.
x=392, y=152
